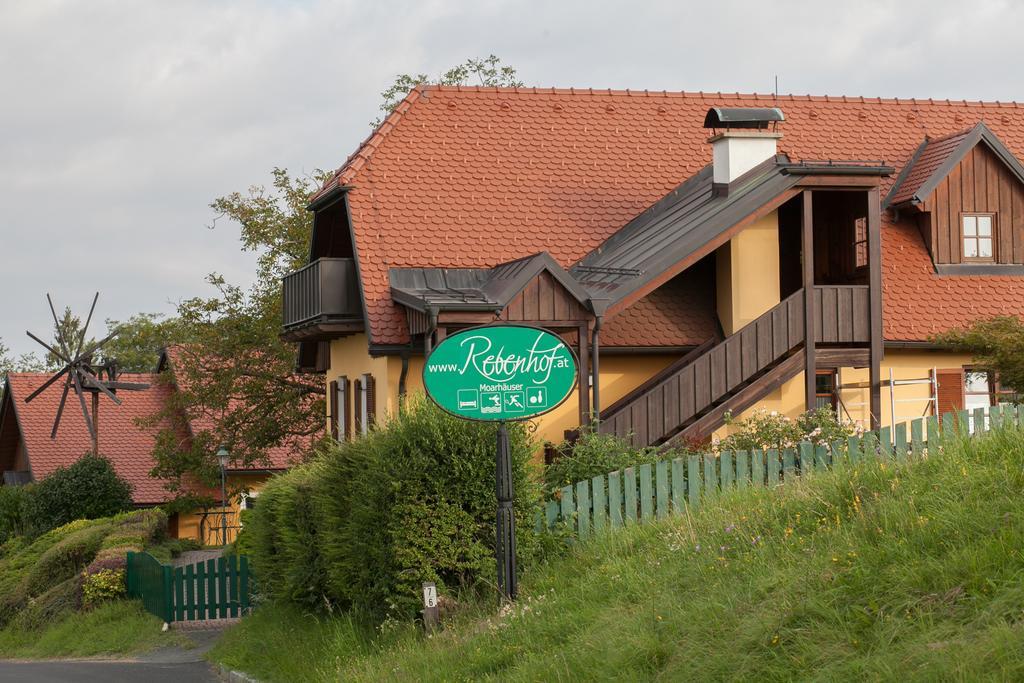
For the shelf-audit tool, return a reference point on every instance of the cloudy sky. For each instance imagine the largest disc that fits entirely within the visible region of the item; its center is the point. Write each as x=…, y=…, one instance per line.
x=121, y=121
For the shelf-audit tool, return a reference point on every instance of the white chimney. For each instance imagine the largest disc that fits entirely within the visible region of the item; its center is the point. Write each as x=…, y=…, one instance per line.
x=742, y=139
x=735, y=152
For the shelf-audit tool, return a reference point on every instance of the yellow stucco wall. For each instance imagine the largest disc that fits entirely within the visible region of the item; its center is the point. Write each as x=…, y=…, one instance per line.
x=189, y=522
x=619, y=375
x=912, y=400
x=747, y=274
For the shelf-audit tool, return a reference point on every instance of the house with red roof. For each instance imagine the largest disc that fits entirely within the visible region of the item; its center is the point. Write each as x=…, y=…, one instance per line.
x=30, y=451
x=705, y=254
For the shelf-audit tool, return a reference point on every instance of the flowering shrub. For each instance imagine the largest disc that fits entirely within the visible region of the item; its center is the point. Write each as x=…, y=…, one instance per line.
x=593, y=454
x=765, y=430
x=106, y=584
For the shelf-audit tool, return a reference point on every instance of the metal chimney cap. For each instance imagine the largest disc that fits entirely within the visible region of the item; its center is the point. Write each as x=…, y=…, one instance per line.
x=743, y=117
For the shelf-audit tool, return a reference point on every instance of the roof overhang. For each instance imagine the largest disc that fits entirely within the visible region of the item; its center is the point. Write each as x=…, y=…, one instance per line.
x=436, y=290
x=694, y=219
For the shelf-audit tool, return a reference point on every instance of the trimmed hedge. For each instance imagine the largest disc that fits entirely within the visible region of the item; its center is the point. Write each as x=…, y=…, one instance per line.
x=364, y=524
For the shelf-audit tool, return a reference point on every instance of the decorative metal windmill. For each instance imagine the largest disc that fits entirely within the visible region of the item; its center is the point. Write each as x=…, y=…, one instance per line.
x=81, y=374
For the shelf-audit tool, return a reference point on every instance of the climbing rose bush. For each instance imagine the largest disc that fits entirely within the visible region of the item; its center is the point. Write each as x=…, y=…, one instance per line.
x=764, y=430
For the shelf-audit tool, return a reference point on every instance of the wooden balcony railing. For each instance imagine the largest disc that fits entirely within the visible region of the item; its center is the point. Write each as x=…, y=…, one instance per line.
x=325, y=290
x=17, y=478
x=842, y=314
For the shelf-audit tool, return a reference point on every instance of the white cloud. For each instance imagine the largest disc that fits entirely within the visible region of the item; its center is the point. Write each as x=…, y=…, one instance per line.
x=120, y=122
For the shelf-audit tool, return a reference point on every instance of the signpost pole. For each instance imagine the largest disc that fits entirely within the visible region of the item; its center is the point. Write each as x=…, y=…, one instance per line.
x=503, y=373
x=505, y=545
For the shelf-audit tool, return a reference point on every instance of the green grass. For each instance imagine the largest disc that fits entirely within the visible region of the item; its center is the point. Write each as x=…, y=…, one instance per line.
x=879, y=571
x=117, y=628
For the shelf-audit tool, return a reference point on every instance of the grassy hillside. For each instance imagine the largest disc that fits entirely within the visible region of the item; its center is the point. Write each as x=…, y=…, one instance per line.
x=877, y=572
x=41, y=589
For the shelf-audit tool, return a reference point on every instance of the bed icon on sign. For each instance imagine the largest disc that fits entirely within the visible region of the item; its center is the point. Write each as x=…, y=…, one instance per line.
x=537, y=397
x=469, y=399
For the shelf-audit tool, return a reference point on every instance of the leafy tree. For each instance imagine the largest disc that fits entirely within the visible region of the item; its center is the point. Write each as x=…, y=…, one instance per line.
x=235, y=376
x=140, y=339
x=488, y=71
x=26, y=362
x=997, y=344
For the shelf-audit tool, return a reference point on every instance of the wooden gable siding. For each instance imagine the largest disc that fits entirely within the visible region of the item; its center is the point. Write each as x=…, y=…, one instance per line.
x=544, y=299
x=980, y=183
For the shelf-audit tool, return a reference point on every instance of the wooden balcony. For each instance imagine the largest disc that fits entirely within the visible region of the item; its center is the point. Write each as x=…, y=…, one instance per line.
x=842, y=314
x=321, y=301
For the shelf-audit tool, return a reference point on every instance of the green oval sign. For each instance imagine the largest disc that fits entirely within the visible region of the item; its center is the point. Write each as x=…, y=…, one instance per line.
x=500, y=373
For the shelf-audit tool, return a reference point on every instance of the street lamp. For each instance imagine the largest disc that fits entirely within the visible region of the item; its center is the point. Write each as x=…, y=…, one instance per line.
x=222, y=457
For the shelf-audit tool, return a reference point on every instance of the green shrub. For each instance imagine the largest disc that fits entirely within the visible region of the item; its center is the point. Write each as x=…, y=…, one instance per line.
x=103, y=585
x=593, y=454
x=13, y=504
x=31, y=572
x=764, y=429
x=87, y=489
x=65, y=559
x=281, y=538
x=368, y=521
x=57, y=602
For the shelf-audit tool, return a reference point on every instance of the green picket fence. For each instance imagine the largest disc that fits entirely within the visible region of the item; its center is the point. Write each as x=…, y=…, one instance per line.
x=212, y=589
x=655, y=491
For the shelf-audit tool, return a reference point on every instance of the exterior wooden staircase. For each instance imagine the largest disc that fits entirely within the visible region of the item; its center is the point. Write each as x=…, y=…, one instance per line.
x=690, y=398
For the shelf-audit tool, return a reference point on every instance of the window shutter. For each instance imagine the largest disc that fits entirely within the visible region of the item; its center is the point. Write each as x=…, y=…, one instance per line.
x=333, y=392
x=371, y=400
x=346, y=408
x=323, y=356
x=358, y=385
x=951, y=390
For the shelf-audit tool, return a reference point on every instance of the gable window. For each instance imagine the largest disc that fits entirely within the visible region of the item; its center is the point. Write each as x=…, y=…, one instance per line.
x=860, y=243
x=978, y=230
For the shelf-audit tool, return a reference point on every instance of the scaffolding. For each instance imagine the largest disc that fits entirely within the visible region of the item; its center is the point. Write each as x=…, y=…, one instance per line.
x=931, y=402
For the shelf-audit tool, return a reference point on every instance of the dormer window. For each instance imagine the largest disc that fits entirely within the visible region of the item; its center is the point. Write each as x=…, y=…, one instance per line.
x=977, y=233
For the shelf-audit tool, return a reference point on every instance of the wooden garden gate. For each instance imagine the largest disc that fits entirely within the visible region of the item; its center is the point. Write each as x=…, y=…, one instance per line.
x=212, y=589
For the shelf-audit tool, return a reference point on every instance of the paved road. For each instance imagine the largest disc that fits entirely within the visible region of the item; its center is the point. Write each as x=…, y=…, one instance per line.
x=165, y=665
x=104, y=672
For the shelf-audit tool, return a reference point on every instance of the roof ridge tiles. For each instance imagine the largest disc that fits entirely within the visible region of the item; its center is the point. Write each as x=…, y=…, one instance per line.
x=626, y=92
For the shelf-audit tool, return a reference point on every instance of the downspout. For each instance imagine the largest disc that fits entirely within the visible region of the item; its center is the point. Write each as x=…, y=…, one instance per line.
x=428, y=338
x=595, y=360
x=403, y=374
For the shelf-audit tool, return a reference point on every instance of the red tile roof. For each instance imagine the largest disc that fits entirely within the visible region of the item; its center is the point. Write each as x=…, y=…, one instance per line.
x=934, y=154
x=472, y=177
x=679, y=313
x=128, y=446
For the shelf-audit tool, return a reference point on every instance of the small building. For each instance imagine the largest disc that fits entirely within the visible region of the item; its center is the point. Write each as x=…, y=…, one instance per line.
x=704, y=254
x=29, y=454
